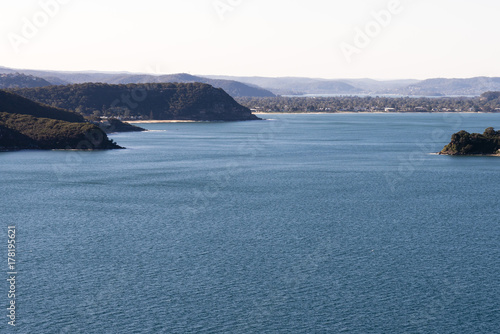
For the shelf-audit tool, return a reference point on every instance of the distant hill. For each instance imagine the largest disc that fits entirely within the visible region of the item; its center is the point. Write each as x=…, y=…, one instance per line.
x=430, y=87
x=23, y=127
x=241, y=86
x=490, y=96
x=18, y=80
x=297, y=86
x=380, y=86
x=233, y=88
x=329, y=87
x=472, y=86
x=162, y=101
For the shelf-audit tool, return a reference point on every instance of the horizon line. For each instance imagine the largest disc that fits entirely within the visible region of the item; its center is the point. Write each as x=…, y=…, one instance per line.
x=236, y=76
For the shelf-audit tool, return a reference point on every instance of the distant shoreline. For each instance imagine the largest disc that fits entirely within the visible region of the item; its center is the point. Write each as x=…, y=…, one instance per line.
x=163, y=121
x=316, y=113
x=371, y=112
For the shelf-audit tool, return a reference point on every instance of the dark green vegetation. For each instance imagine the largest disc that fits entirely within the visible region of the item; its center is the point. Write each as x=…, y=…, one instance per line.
x=17, y=80
x=27, y=132
x=166, y=101
x=28, y=125
x=490, y=97
x=464, y=143
x=488, y=102
x=114, y=125
x=15, y=104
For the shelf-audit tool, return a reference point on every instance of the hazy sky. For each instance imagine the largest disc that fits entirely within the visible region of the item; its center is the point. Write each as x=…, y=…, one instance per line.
x=315, y=38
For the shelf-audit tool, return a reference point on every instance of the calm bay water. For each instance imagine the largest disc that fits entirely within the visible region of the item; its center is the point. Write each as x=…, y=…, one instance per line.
x=298, y=224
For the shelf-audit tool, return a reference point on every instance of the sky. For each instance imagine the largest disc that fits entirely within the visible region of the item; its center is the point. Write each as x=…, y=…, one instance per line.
x=378, y=39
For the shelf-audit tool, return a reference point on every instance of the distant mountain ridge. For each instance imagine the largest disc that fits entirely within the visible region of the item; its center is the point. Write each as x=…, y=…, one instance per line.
x=430, y=87
x=296, y=85
x=19, y=80
x=473, y=86
x=25, y=124
x=241, y=86
x=233, y=88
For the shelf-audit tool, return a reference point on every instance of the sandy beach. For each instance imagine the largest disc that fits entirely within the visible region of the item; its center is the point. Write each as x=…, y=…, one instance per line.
x=163, y=121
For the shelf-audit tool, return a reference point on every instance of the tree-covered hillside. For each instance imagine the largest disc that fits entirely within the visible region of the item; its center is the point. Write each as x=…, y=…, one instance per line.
x=26, y=124
x=27, y=132
x=12, y=103
x=163, y=101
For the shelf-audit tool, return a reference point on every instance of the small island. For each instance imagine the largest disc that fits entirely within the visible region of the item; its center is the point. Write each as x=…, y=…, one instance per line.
x=465, y=144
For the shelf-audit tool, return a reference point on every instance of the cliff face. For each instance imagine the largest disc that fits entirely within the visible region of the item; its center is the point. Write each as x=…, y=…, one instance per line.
x=164, y=101
x=464, y=143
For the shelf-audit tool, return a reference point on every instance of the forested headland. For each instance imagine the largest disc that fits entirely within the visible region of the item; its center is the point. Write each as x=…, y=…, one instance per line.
x=25, y=124
x=155, y=101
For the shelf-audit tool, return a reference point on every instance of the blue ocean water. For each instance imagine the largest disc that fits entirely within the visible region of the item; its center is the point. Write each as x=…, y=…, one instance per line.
x=337, y=223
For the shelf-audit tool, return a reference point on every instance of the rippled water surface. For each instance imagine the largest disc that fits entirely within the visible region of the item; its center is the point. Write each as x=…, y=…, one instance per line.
x=298, y=224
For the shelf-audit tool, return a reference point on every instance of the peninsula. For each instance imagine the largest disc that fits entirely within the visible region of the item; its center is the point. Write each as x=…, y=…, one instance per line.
x=135, y=102
x=25, y=124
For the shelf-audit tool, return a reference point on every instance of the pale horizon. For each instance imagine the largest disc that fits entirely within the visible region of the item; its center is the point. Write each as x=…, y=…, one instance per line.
x=249, y=76
x=379, y=40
